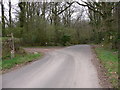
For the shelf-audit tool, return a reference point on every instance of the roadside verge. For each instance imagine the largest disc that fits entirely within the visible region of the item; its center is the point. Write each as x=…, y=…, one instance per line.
x=106, y=62
x=18, y=61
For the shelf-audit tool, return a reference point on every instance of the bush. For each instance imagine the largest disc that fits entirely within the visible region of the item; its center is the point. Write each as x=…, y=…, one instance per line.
x=65, y=39
x=7, y=47
x=15, y=30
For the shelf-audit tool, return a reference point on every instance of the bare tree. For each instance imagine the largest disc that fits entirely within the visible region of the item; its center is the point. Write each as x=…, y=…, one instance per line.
x=10, y=18
x=3, y=18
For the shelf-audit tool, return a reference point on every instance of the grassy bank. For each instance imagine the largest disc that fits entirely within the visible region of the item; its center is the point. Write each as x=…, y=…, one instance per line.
x=109, y=58
x=8, y=64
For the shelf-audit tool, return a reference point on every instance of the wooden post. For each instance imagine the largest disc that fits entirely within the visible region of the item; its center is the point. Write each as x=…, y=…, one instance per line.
x=13, y=46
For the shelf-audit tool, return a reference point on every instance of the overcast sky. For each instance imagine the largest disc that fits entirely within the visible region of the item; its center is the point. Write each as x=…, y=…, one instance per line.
x=15, y=7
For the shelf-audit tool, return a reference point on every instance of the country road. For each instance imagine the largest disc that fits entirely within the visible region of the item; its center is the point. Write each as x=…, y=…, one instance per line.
x=69, y=67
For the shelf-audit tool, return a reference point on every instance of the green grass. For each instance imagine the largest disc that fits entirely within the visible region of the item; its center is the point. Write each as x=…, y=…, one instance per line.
x=6, y=38
x=7, y=64
x=3, y=38
x=109, y=58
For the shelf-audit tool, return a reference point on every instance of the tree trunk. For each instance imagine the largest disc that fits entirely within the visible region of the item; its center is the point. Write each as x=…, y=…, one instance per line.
x=3, y=18
x=10, y=19
x=22, y=15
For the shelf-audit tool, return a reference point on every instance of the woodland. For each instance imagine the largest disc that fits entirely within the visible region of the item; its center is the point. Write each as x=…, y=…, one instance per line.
x=61, y=23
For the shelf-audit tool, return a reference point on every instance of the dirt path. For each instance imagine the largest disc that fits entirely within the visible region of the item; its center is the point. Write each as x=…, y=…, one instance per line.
x=43, y=50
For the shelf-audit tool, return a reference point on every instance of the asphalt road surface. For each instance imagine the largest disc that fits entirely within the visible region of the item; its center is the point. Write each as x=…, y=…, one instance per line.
x=70, y=67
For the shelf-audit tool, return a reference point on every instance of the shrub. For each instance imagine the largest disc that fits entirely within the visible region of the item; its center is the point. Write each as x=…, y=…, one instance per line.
x=7, y=47
x=65, y=38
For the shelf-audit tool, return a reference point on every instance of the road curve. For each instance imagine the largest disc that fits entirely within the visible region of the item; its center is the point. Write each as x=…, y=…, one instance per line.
x=70, y=67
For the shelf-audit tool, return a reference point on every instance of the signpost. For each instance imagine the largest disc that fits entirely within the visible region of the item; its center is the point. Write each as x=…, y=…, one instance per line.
x=12, y=45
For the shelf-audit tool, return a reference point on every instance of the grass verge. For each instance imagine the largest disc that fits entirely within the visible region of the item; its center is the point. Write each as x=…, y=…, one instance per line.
x=109, y=58
x=8, y=64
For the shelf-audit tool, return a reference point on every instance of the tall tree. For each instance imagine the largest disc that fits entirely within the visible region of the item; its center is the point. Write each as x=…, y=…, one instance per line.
x=22, y=15
x=3, y=18
x=10, y=18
